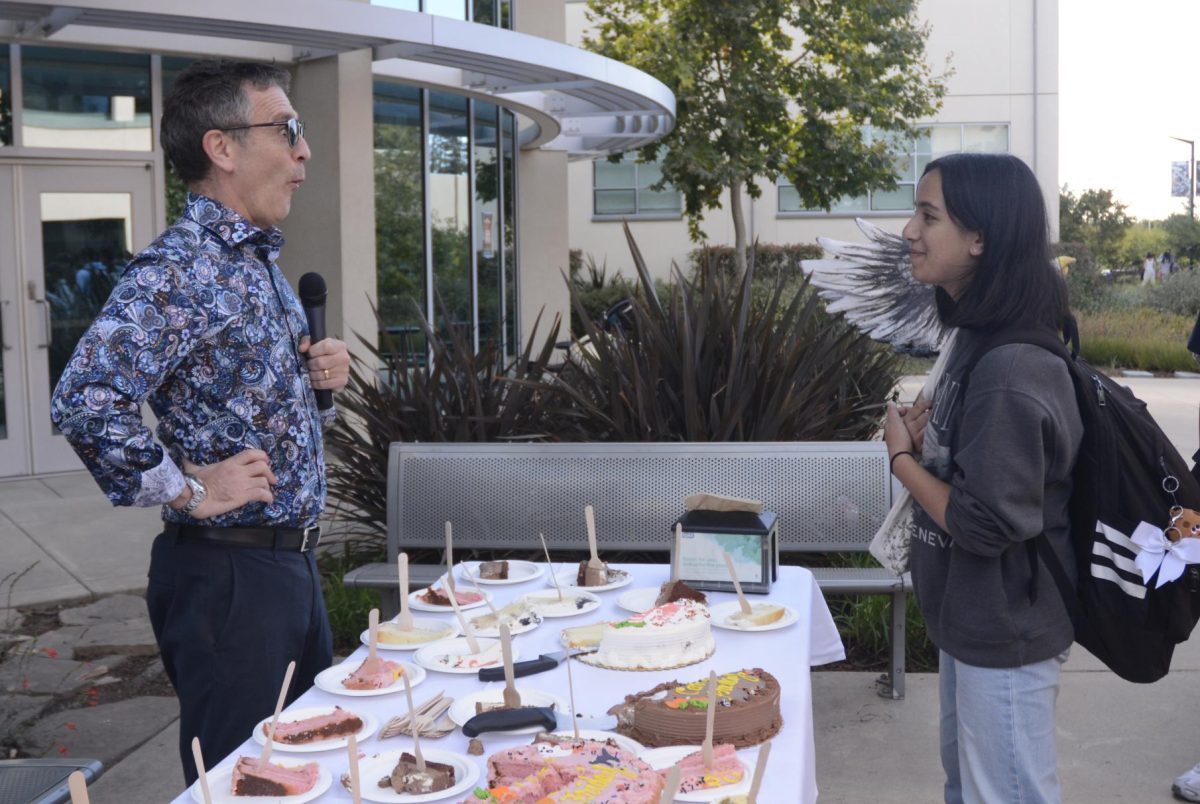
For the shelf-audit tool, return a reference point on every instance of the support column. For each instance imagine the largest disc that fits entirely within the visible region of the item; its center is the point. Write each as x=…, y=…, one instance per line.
x=331, y=228
x=542, y=198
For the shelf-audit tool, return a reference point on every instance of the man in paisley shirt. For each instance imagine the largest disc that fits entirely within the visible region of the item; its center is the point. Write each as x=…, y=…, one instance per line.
x=204, y=328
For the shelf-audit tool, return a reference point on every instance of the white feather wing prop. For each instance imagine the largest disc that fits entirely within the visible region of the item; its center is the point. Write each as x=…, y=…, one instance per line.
x=872, y=285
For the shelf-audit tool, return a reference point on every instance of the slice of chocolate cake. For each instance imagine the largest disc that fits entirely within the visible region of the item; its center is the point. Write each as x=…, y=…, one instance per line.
x=591, y=576
x=249, y=779
x=405, y=778
x=671, y=591
x=493, y=570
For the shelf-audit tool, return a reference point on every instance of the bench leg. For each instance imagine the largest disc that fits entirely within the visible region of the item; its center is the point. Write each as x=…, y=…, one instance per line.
x=891, y=684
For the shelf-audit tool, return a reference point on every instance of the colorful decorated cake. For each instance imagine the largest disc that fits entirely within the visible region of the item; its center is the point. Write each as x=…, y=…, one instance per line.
x=675, y=714
x=560, y=770
x=672, y=635
x=726, y=769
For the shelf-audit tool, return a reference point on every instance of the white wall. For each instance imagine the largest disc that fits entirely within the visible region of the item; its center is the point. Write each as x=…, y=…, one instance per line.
x=1000, y=76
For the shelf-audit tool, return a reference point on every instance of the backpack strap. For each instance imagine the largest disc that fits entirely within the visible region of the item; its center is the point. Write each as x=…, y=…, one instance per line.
x=1067, y=348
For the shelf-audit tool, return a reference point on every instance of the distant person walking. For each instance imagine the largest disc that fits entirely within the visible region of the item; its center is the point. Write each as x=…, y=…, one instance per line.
x=1167, y=265
x=1149, y=270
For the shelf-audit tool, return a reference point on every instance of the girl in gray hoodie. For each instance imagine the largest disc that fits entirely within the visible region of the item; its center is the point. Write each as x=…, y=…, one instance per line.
x=988, y=464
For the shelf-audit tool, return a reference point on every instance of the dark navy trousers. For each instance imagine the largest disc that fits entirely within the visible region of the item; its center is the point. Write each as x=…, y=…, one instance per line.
x=228, y=620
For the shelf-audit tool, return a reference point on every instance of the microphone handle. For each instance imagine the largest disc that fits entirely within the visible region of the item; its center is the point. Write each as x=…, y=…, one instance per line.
x=316, y=332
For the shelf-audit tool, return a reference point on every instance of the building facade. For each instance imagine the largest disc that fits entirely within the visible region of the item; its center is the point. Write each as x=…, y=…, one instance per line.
x=441, y=132
x=1001, y=96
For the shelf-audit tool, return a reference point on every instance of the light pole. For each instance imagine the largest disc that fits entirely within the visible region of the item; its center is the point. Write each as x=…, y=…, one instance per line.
x=1191, y=177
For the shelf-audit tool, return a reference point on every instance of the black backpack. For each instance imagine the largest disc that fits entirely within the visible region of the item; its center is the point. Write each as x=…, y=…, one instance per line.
x=1127, y=473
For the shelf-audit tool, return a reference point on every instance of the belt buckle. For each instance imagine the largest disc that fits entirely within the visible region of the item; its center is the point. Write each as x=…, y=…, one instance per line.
x=304, y=545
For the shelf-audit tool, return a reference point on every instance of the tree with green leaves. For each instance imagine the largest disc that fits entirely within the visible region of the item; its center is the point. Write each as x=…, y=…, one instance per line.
x=771, y=88
x=1096, y=219
x=1183, y=236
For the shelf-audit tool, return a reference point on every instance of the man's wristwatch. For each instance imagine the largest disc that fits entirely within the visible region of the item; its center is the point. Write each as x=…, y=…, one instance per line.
x=199, y=492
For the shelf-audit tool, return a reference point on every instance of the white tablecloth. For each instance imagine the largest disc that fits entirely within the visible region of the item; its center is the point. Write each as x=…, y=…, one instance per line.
x=787, y=653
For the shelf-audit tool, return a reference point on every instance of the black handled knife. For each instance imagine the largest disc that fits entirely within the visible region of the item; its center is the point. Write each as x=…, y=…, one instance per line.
x=547, y=661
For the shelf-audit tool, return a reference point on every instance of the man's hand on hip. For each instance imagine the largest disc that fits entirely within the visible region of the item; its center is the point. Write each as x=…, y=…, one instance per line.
x=230, y=484
x=328, y=363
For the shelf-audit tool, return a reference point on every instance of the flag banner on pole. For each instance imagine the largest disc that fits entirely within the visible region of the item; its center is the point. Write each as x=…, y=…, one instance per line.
x=1179, y=179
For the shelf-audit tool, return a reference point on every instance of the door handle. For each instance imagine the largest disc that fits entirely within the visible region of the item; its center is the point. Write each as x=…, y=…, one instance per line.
x=31, y=292
x=46, y=317
x=4, y=345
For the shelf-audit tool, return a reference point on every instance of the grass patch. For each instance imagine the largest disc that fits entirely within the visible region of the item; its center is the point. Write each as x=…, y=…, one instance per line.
x=1137, y=337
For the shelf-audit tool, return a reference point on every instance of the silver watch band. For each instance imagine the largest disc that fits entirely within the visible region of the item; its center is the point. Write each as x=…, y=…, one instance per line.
x=199, y=492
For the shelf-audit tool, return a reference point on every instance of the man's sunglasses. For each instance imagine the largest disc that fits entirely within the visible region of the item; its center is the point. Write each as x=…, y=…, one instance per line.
x=293, y=126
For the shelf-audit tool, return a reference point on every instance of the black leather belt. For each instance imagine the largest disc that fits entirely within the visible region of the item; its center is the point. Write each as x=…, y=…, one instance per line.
x=302, y=539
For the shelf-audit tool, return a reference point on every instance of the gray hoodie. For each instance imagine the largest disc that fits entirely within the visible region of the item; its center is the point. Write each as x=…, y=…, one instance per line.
x=1016, y=433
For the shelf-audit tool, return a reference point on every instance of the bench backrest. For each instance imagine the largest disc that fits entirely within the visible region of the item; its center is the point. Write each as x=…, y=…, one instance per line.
x=829, y=496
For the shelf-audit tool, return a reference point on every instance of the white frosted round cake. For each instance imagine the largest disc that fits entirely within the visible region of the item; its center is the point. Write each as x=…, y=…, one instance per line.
x=672, y=635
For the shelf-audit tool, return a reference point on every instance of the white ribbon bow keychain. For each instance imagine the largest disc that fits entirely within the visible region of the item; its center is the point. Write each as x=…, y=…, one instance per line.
x=1162, y=555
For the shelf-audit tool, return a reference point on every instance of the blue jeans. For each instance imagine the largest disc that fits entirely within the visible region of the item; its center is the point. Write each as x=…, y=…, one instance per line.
x=997, y=732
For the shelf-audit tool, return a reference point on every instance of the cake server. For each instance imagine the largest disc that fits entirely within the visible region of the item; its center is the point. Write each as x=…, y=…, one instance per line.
x=544, y=662
x=545, y=717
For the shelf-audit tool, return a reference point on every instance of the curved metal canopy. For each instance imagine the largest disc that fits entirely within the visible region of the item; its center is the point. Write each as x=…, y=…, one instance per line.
x=578, y=102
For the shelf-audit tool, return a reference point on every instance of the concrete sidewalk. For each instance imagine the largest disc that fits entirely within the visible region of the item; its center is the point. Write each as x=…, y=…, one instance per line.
x=1118, y=742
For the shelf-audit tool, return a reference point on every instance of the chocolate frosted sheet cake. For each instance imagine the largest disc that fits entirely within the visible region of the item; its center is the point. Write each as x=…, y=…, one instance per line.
x=675, y=714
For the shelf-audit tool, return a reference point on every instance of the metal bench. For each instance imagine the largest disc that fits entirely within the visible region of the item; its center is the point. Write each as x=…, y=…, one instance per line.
x=830, y=497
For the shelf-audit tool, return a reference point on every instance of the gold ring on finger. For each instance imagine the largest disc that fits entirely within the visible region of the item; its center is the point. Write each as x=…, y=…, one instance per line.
x=326, y=373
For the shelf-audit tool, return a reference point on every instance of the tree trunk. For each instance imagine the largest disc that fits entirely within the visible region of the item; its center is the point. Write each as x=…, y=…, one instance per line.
x=739, y=227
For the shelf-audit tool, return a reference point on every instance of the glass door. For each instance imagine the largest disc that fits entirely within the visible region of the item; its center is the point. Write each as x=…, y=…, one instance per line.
x=14, y=441
x=79, y=227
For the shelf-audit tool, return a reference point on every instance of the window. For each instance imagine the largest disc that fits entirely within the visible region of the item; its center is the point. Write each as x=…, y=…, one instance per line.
x=623, y=188
x=85, y=99
x=911, y=157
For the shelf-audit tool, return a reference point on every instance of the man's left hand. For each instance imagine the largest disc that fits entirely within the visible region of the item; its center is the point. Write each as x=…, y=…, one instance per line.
x=328, y=363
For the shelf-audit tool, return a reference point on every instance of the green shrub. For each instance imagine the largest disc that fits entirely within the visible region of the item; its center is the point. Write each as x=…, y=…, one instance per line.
x=348, y=607
x=1178, y=294
x=864, y=623
x=769, y=260
x=1139, y=337
x=709, y=361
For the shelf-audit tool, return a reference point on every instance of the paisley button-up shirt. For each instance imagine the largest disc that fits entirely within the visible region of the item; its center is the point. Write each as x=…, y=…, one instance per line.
x=205, y=328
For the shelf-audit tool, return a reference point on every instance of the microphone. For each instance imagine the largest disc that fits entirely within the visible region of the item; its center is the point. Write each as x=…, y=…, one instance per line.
x=312, y=299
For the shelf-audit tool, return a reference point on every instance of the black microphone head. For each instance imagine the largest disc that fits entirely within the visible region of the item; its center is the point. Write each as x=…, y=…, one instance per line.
x=312, y=289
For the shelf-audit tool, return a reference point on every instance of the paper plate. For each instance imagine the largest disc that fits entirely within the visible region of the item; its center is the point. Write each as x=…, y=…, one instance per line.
x=518, y=572
x=548, y=605
x=449, y=629
x=330, y=679
x=378, y=766
x=432, y=655
x=220, y=782
x=370, y=724
x=665, y=757
x=532, y=621
x=723, y=611
x=421, y=605
x=638, y=600
x=567, y=578
x=463, y=709
x=626, y=743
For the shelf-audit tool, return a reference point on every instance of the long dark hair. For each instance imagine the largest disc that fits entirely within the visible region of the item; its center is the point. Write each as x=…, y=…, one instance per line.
x=1014, y=282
